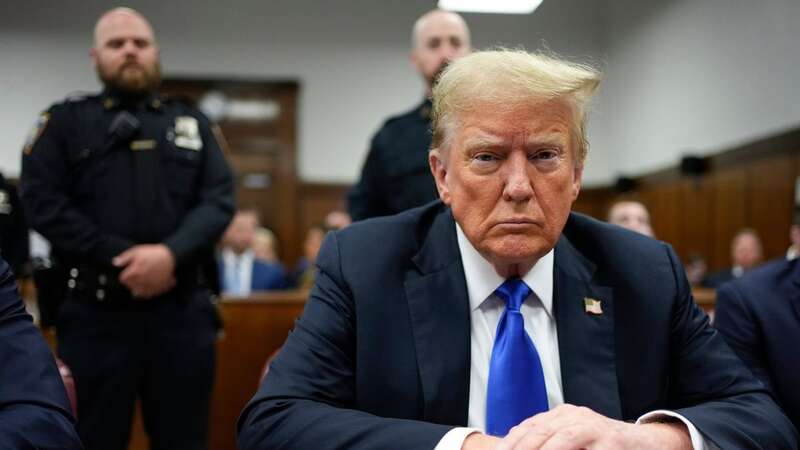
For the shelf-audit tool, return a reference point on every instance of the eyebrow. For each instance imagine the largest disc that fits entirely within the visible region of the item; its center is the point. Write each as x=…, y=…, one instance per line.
x=485, y=140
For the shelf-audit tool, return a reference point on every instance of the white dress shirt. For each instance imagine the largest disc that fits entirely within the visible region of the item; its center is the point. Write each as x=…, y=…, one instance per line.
x=540, y=324
x=239, y=268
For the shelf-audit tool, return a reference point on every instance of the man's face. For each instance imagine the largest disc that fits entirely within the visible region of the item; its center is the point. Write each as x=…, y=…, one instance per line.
x=441, y=38
x=746, y=251
x=633, y=216
x=241, y=232
x=510, y=179
x=125, y=54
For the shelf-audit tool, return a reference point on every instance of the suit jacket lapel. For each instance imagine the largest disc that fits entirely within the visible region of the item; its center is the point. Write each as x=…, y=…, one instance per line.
x=440, y=319
x=585, y=340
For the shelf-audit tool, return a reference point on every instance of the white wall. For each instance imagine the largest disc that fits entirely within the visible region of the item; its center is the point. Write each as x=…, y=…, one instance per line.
x=696, y=76
x=350, y=57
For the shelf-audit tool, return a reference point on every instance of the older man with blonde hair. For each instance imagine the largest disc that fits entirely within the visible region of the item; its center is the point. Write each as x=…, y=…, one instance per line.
x=498, y=319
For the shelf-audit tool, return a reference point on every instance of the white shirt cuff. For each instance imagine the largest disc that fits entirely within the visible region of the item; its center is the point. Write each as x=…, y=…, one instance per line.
x=699, y=442
x=454, y=439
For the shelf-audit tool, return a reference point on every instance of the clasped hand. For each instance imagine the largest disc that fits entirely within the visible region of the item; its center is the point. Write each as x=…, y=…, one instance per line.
x=148, y=270
x=569, y=427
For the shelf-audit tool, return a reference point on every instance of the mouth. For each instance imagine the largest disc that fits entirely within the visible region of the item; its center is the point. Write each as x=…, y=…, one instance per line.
x=516, y=224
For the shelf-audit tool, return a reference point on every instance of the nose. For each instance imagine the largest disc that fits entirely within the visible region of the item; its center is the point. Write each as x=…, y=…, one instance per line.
x=130, y=48
x=518, y=187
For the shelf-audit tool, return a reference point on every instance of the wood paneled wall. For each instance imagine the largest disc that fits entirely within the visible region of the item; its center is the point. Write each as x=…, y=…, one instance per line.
x=749, y=186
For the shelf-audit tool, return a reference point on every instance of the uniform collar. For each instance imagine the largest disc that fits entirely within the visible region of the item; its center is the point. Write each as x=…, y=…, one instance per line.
x=424, y=109
x=112, y=99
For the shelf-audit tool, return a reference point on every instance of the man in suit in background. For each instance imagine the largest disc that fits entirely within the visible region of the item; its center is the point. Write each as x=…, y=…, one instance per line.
x=759, y=316
x=34, y=410
x=746, y=253
x=498, y=319
x=239, y=270
x=395, y=176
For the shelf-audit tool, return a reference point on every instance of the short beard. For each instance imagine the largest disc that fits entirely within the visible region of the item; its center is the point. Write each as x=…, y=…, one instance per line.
x=126, y=81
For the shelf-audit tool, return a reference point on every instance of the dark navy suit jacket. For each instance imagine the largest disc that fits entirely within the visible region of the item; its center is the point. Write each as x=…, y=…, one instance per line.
x=759, y=316
x=381, y=355
x=34, y=410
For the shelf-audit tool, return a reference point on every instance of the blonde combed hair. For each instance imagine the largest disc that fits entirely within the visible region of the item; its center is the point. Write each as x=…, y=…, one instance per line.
x=502, y=80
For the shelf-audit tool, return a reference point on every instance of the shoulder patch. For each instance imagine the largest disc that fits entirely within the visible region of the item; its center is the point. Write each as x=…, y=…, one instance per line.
x=36, y=132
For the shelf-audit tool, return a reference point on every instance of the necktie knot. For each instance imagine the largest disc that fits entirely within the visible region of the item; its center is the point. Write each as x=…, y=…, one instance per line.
x=513, y=291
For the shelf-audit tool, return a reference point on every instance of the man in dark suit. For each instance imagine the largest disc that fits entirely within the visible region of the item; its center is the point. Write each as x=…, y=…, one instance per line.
x=746, y=253
x=240, y=272
x=496, y=318
x=34, y=410
x=759, y=316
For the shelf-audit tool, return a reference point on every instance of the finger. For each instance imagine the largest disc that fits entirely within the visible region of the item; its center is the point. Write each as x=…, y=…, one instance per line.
x=529, y=437
x=575, y=437
x=124, y=258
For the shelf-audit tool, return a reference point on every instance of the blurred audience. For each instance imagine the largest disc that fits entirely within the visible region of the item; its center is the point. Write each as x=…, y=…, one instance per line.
x=303, y=274
x=746, y=253
x=265, y=246
x=696, y=269
x=632, y=215
x=239, y=269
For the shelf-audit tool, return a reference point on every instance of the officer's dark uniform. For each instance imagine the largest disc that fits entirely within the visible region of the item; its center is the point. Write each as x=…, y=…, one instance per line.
x=396, y=175
x=107, y=173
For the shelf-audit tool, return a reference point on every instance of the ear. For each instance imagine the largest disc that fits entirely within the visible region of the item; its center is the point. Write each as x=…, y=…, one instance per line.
x=577, y=178
x=93, y=56
x=439, y=171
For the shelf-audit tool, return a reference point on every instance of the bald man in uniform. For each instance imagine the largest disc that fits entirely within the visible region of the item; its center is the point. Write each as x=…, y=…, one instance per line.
x=395, y=176
x=132, y=190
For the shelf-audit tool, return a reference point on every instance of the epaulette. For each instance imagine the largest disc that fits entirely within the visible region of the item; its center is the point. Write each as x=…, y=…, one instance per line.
x=77, y=96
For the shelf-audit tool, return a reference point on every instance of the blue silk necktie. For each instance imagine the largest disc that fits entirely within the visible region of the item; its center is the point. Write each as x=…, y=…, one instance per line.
x=516, y=388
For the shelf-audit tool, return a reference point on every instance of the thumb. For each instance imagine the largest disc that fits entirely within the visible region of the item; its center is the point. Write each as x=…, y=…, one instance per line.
x=124, y=258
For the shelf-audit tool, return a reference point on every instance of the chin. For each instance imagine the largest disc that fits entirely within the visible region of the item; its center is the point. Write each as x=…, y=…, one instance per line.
x=518, y=249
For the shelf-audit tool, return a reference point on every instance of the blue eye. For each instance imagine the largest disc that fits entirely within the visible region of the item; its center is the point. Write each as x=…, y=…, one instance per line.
x=486, y=157
x=545, y=155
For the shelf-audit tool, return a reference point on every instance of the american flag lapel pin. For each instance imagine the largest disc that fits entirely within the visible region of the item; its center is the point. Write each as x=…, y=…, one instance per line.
x=592, y=306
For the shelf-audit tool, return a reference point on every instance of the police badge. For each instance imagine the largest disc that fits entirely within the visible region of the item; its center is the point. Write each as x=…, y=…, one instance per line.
x=187, y=133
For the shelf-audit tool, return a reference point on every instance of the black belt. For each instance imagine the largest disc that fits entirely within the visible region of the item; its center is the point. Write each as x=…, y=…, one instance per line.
x=100, y=285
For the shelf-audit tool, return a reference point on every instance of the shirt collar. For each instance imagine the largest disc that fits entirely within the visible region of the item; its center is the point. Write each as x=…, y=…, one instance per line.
x=230, y=257
x=482, y=280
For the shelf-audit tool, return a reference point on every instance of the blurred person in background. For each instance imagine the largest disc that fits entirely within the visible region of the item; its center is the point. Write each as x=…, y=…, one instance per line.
x=240, y=271
x=746, y=253
x=395, y=175
x=632, y=215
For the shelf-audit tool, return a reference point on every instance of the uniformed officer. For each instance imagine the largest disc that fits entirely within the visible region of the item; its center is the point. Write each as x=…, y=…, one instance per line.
x=132, y=190
x=396, y=175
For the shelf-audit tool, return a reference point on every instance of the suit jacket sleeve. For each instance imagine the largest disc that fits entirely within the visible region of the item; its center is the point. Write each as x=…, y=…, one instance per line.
x=308, y=398
x=34, y=410
x=730, y=407
x=736, y=323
